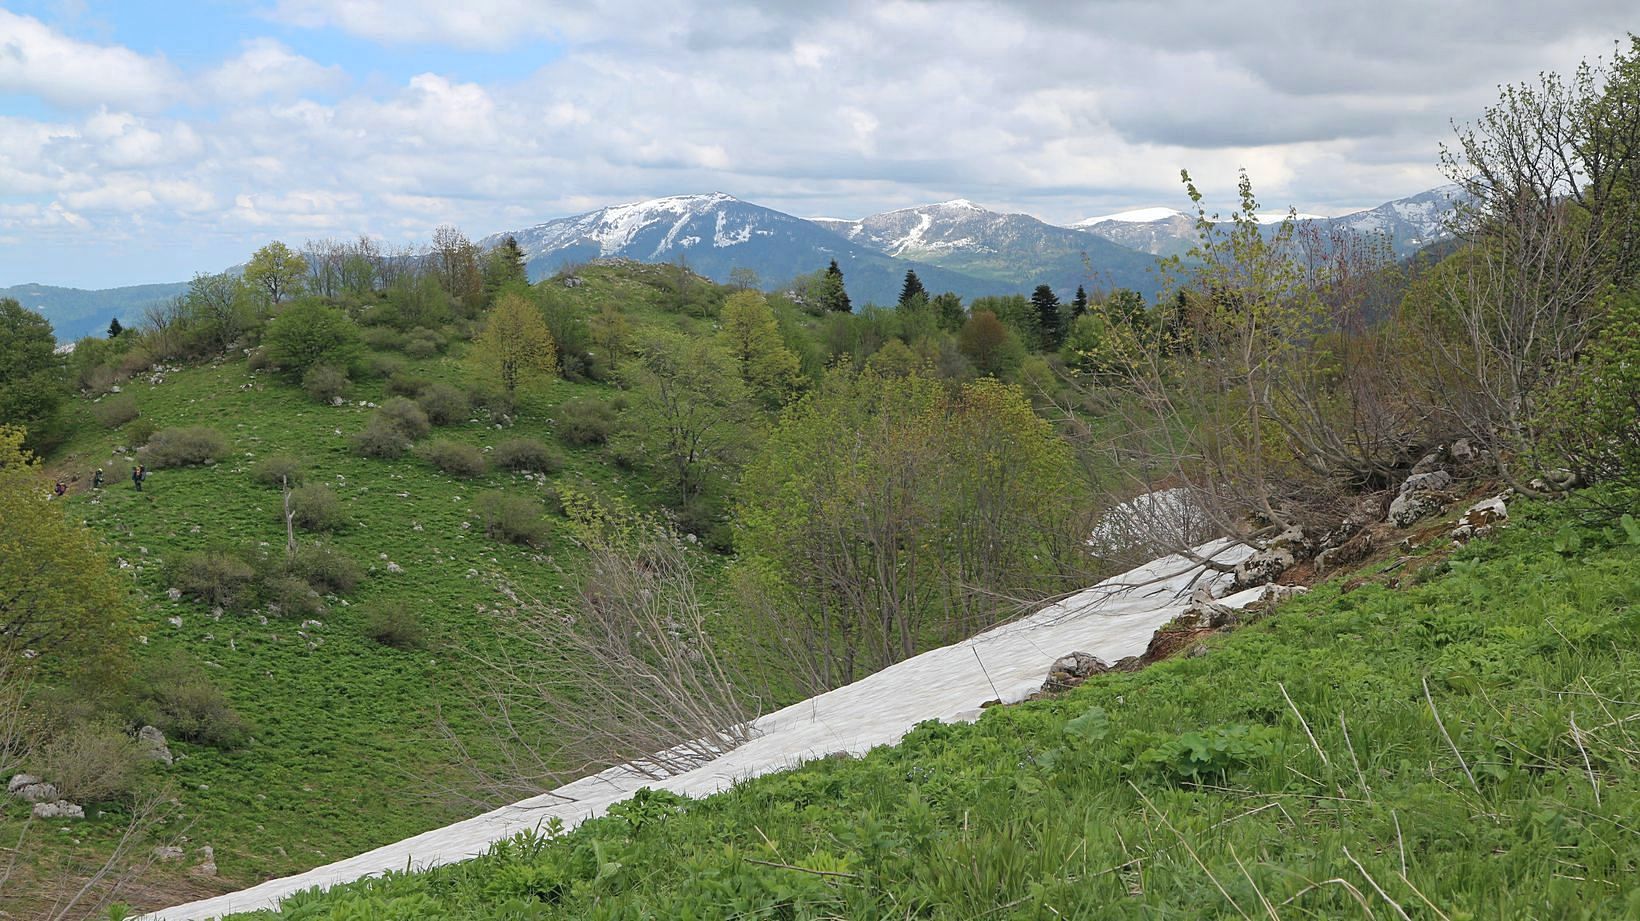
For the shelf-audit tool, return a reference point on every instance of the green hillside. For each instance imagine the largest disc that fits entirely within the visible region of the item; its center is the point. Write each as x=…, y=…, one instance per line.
x=1450, y=740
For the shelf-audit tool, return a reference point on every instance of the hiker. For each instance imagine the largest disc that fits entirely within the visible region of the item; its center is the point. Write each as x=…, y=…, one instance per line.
x=138, y=474
x=96, y=479
x=60, y=488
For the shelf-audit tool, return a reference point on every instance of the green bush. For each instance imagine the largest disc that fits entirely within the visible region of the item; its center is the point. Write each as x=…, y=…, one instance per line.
x=384, y=366
x=383, y=338
x=585, y=421
x=177, y=697
x=394, y=624
x=317, y=508
x=137, y=433
x=325, y=383
x=215, y=577
x=530, y=454
x=424, y=343
x=90, y=763
x=309, y=333
x=292, y=596
x=381, y=439
x=514, y=519
x=444, y=404
x=405, y=416
x=328, y=572
x=402, y=383
x=116, y=410
x=453, y=457
x=258, y=360
x=183, y=447
x=277, y=470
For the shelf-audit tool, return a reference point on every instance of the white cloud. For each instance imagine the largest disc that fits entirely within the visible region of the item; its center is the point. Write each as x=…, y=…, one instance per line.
x=266, y=67
x=37, y=60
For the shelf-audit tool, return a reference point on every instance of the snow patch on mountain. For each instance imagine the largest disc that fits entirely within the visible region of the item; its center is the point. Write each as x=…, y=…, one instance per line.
x=1135, y=216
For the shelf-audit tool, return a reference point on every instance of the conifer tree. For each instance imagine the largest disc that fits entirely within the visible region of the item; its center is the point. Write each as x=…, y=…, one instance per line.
x=1051, y=325
x=1079, y=304
x=832, y=295
x=913, y=286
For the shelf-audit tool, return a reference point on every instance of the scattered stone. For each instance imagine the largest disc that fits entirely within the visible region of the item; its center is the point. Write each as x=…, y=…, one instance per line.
x=1197, y=651
x=1353, y=550
x=175, y=594
x=19, y=781
x=394, y=568
x=1069, y=671
x=1557, y=480
x=1420, y=495
x=337, y=401
x=207, y=863
x=152, y=743
x=168, y=853
x=61, y=809
x=175, y=620
x=34, y=791
x=1479, y=519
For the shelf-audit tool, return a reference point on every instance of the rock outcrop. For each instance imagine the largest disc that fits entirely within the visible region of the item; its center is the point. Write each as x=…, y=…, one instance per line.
x=1071, y=670
x=1421, y=494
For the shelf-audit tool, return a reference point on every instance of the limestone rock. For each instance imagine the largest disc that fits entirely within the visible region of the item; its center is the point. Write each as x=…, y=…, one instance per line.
x=1069, y=671
x=1479, y=519
x=207, y=862
x=168, y=853
x=152, y=743
x=61, y=809
x=31, y=789
x=1420, y=495
x=19, y=781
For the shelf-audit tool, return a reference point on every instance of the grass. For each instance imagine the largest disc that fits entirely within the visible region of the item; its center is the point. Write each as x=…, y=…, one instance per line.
x=1465, y=746
x=344, y=755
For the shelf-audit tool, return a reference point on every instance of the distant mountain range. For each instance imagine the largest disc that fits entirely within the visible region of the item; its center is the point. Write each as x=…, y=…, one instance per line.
x=75, y=312
x=953, y=246
x=1410, y=224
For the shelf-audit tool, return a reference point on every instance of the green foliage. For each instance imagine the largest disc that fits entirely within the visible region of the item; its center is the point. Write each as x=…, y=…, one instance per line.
x=325, y=383
x=516, y=345
x=445, y=404
x=395, y=625
x=90, y=763
x=992, y=347
x=309, y=333
x=183, y=447
x=1592, y=416
x=380, y=439
x=325, y=570
x=511, y=518
x=585, y=421
x=689, y=412
x=116, y=410
x=752, y=339
x=175, y=695
x=32, y=381
x=276, y=272
x=278, y=470
x=216, y=577
x=1307, y=740
x=527, y=454
x=454, y=457
x=316, y=507
x=406, y=416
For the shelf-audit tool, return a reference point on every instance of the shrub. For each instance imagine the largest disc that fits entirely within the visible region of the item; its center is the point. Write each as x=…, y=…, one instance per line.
x=405, y=416
x=176, y=697
x=116, y=410
x=325, y=570
x=317, y=508
x=380, y=438
x=453, y=457
x=293, y=596
x=277, y=470
x=325, y=383
x=514, y=519
x=404, y=384
x=585, y=421
x=136, y=361
x=394, y=624
x=91, y=762
x=383, y=338
x=424, y=343
x=258, y=360
x=138, y=433
x=528, y=454
x=309, y=333
x=385, y=366
x=214, y=576
x=445, y=404
x=183, y=447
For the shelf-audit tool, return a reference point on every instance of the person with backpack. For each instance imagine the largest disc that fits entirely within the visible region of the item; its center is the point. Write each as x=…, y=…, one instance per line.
x=138, y=474
x=97, y=479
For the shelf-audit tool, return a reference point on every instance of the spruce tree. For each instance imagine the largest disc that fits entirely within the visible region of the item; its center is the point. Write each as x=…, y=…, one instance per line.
x=1079, y=304
x=913, y=287
x=833, y=296
x=1048, y=320
x=114, y=328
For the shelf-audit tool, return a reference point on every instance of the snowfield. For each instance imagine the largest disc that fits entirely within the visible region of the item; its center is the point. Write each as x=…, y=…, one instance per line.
x=1110, y=620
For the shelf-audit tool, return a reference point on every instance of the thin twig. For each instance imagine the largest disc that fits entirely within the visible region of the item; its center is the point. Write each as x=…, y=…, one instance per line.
x=1374, y=883
x=1305, y=723
x=787, y=866
x=1577, y=736
x=1192, y=851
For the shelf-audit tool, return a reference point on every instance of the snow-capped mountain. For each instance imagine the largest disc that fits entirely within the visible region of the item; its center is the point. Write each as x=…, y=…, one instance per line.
x=717, y=233
x=1410, y=224
x=1017, y=249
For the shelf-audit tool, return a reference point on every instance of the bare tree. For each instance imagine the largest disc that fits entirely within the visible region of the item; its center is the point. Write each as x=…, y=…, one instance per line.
x=627, y=675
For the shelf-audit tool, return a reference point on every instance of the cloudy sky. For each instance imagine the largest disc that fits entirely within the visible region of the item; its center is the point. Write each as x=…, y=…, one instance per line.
x=141, y=142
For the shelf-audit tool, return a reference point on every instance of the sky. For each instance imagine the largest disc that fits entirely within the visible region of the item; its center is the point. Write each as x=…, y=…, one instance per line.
x=144, y=142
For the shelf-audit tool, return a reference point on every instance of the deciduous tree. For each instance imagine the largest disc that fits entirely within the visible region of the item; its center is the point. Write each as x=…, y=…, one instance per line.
x=516, y=345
